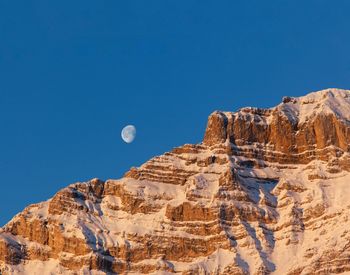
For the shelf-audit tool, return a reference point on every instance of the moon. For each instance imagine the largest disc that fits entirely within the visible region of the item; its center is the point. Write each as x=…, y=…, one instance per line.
x=128, y=133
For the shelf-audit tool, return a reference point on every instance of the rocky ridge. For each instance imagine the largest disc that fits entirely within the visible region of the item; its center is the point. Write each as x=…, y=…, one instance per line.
x=266, y=192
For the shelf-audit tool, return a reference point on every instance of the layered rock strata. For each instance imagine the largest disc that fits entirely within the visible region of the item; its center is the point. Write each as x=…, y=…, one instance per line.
x=266, y=192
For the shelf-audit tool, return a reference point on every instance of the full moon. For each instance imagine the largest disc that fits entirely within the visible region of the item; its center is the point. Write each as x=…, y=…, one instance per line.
x=128, y=133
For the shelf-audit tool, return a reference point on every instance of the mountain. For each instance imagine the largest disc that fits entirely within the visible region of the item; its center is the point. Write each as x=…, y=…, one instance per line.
x=266, y=192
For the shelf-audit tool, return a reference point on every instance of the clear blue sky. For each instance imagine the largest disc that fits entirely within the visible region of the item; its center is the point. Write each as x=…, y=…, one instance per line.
x=73, y=73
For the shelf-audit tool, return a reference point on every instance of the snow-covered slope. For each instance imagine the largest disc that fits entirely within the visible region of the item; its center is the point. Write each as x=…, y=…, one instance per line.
x=267, y=192
x=330, y=101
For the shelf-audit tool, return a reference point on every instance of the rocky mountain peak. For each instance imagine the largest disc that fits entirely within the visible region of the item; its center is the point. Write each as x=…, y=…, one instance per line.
x=318, y=122
x=266, y=192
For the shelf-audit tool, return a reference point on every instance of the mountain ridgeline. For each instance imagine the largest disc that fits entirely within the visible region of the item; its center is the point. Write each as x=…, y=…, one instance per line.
x=266, y=192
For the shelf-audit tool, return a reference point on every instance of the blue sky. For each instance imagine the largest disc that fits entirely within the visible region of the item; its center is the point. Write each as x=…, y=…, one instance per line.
x=73, y=73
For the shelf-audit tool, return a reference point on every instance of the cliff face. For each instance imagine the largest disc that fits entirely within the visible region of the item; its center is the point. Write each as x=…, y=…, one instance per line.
x=296, y=131
x=265, y=193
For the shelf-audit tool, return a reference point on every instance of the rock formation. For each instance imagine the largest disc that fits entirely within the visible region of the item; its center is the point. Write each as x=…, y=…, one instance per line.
x=266, y=192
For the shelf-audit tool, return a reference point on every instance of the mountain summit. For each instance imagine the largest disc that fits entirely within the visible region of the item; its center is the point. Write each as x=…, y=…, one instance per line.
x=315, y=126
x=266, y=192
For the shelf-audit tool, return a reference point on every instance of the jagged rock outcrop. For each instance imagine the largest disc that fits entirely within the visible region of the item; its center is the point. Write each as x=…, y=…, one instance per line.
x=297, y=131
x=265, y=193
